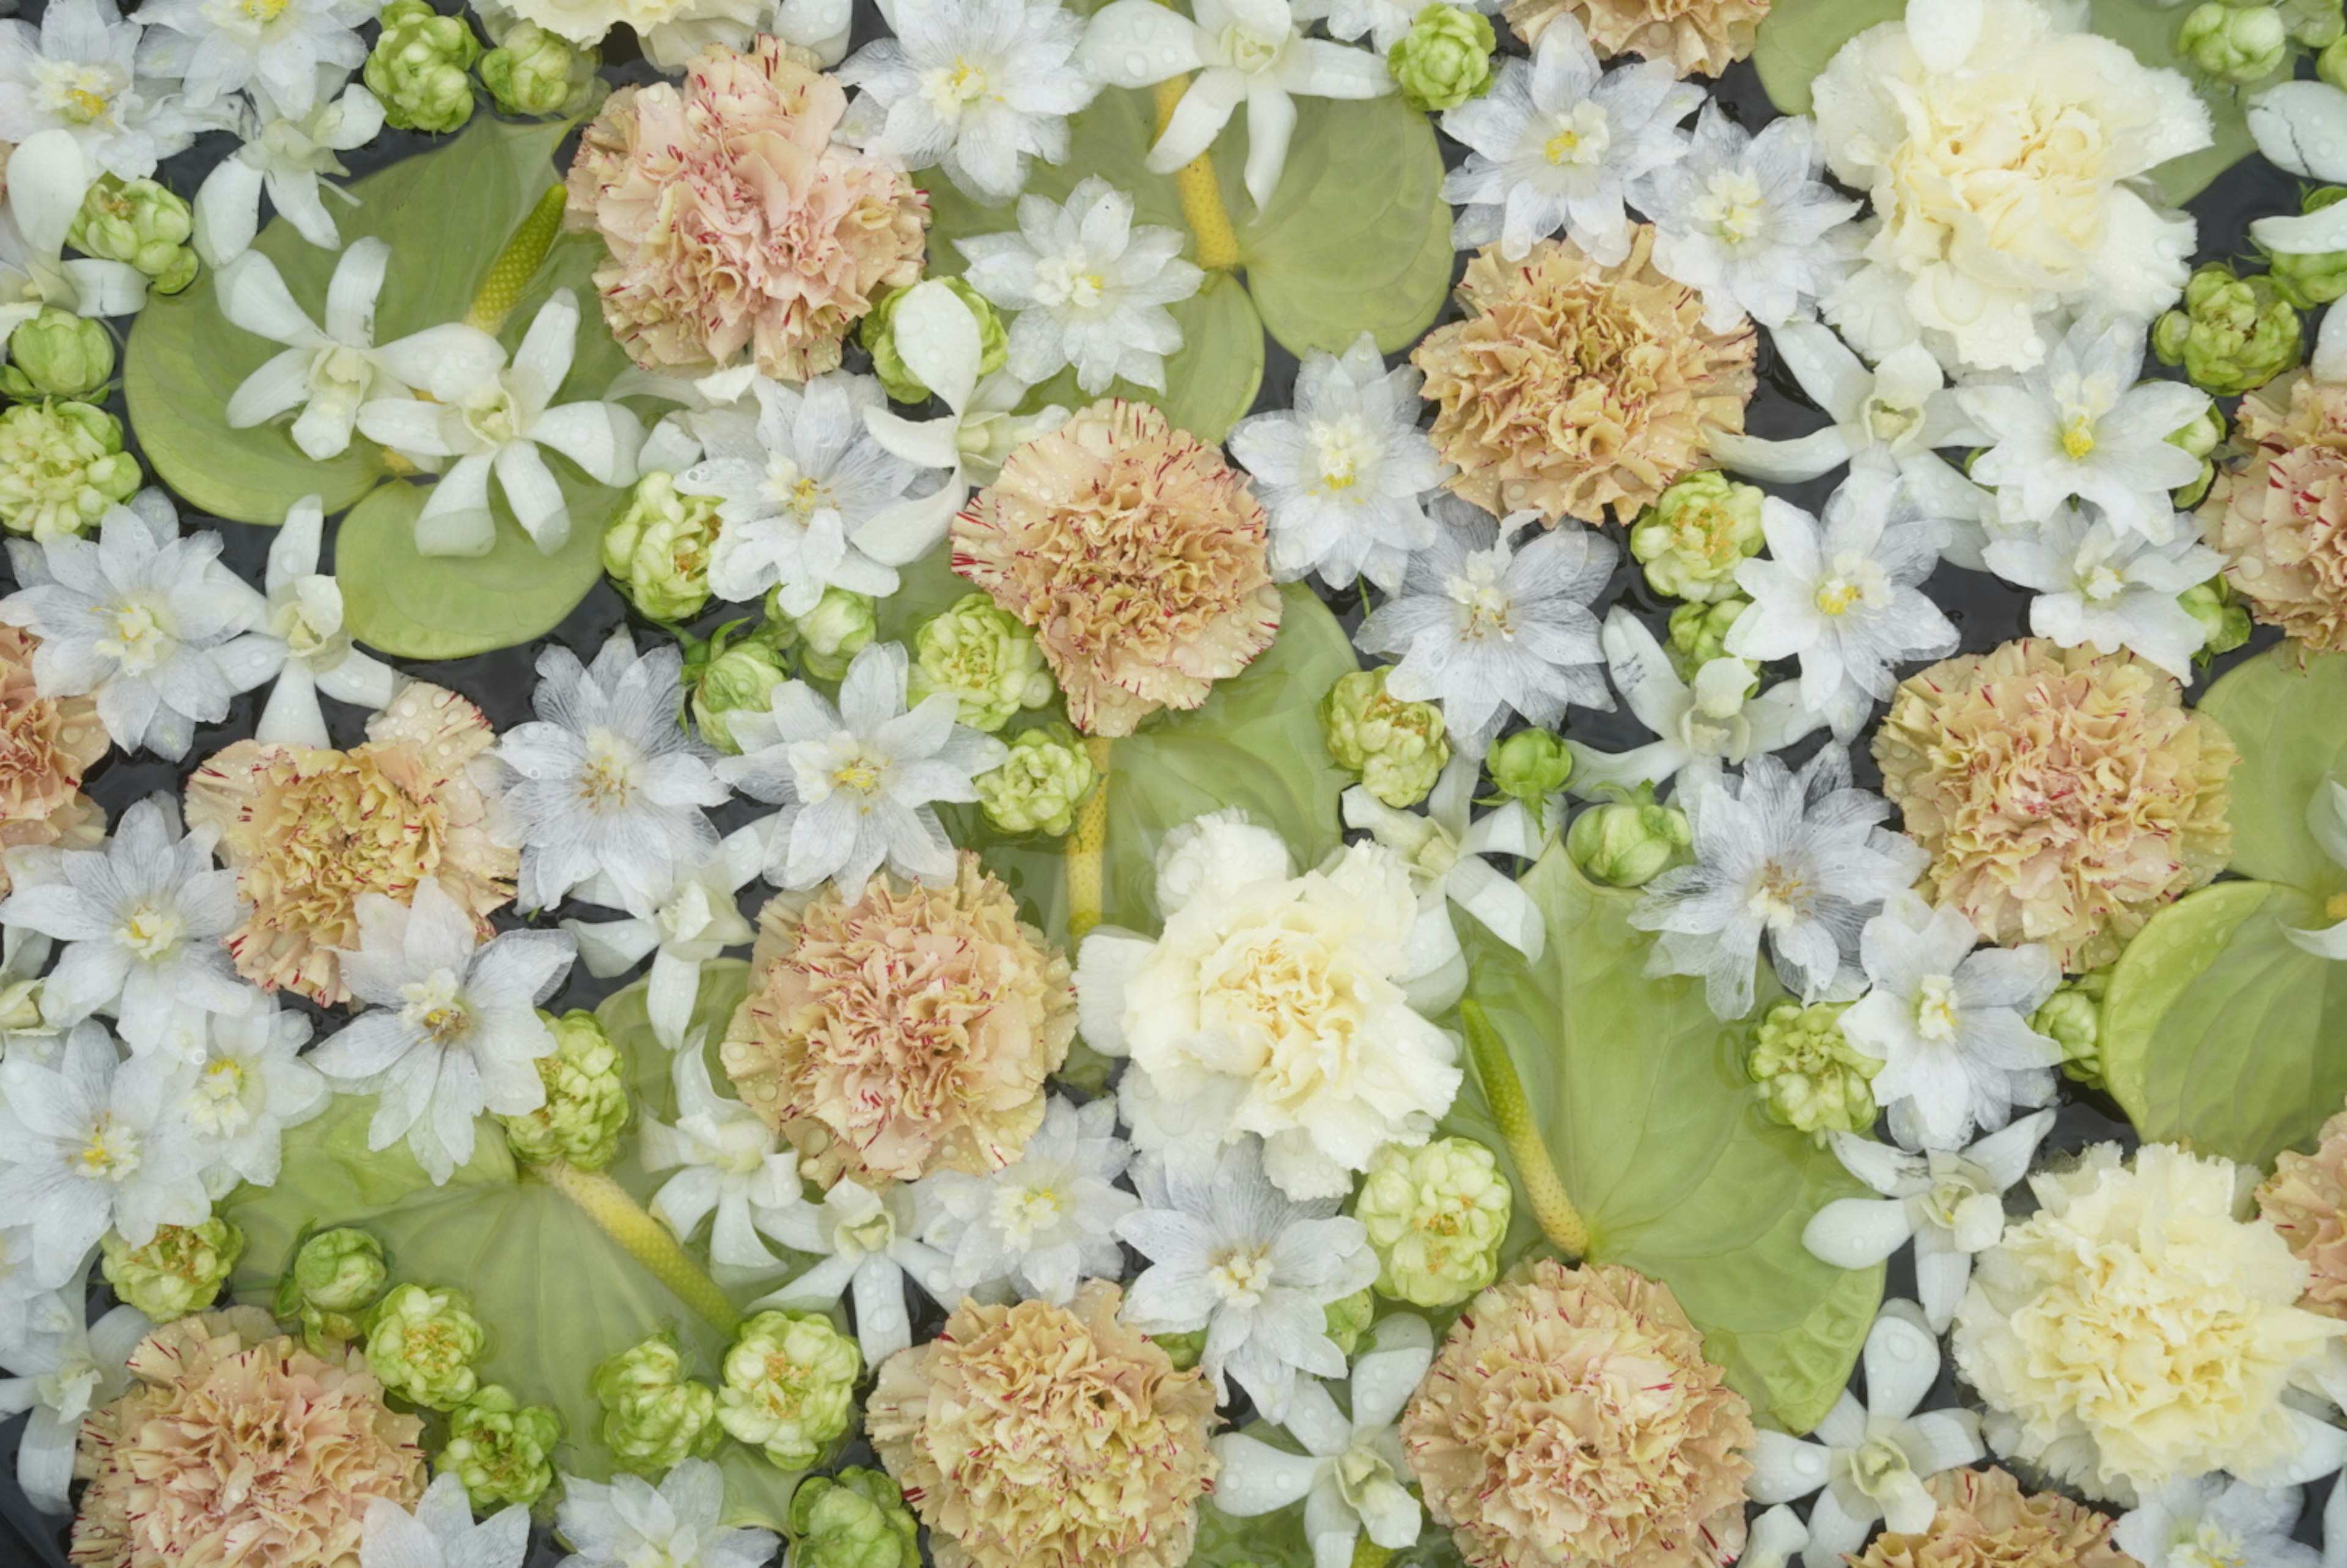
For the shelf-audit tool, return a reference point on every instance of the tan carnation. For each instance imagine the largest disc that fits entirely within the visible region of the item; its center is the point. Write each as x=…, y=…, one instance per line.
x=1986, y=1520
x=1689, y=35
x=735, y=221
x=45, y=745
x=2281, y=518
x=236, y=1447
x=907, y=1032
x=2302, y=1200
x=1572, y=1421
x=1572, y=387
x=310, y=829
x=2065, y=796
x=1037, y=1436
x=1136, y=554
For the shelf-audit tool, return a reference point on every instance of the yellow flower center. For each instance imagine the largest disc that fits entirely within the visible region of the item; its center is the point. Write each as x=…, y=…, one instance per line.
x=1778, y=895
x=264, y=11
x=1851, y=581
x=1731, y=206
x=76, y=93
x=110, y=1153
x=216, y=1105
x=1068, y=282
x=2101, y=585
x=950, y=89
x=435, y=1008
x=609, y=783
x=1582, y=136
x=1478, y=591
x=1936, y=1008
x=2077, y=435
x=1341, y=449
x=2208, y=1544
x=1241, y=1276
x=1835, y=596
x=793, y=489
x=152, y=932
x=858, y=772
x=1023, y=1214
x=141, y=639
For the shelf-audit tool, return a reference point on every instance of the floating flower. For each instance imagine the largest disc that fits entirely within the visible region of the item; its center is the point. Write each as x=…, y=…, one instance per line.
x=2306, y=1200
x=65, y=1371
x=694, y=919
x=1691, y=37
x=586, y=1103
x=179, y=1272
x=1037, y=1436
x=1570, y=1416
x=427, y=1345
x=1444, y=849
x=2064, y=796
x=1716, y=719
x=1046, y=1221
x=272, y=52
x=1747, y=220
x=1985, y=1520
x=1571, y=388
x=46, y=745
x=1437, y=1216
x=302, y=644
x=80, y=74
x=790, y=1387
x=735, y=219
x=286, y=152
x=630, y=1522
x=236, y=1099
x=1894, y=416
x=2281, y=518
x=440, y=1532
x=1136, y=555
x=2208, y=1519
x=2111, y=592
x=654, y=1416
x=727, y=1161
x=866, y=1245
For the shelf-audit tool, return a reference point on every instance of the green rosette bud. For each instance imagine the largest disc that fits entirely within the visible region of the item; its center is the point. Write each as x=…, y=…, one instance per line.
x=985, y=658
x=2317, y=278
x=1698, y=634
x=732, y=676
x=1530, y=765
x=2224, y=620
x=585, y=1098
x=655, y=1417
x=1183, y=1349
x=656, y=551
x=140, y=224
x=2233, y=334
x=2331, y=63
x=335, y=1276
x=426, y=1345
x=57, y=354
x=2201, y=438
x=1444, y=59
x=856, y=1519
x=1399, y=748
x=536, y=72
x=1696, y=535
x=62, y=465
x=1629, y=842
x=790, y=1387
x=1436, y=1217
x=1348, y=1318
x=418, y=69
x=1038, y=787
x=179, y=1272
x=2073, y=1018
x=2240, y=44
x=502, y=1449
x=828, y=636
x=877, y=334
x=1810, y=1077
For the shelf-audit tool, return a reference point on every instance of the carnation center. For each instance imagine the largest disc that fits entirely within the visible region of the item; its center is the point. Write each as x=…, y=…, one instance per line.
x=1478, y=591
x=1878, y=1466
x=1580, y=137
x=1779, y=895
x=151, y=931
x=1853, y=581
x=1343, y=450
x=2208, y=1544
x=143, y=636
x=1732, y=206
x=436, y=1008
x=1936, y=1010
x=1068, y=282
x=76, y=93
x=1241, y=1276
x=950, y=89
x=216, y=1105
x=1024, y=1213
x=110, y=1153
x=614, y=764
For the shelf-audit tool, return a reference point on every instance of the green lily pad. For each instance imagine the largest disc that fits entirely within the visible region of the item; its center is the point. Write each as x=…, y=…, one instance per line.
x=1660, y=1139
x=2287, y=715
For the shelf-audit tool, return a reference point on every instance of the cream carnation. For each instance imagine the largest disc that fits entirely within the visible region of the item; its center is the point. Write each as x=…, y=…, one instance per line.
x=2303, y=1199
x=2133, y=1331
x=1572, y=1421
x=2002, y=154
x=46, y=744
x=2280, y=519
x=1047, y=1437
x=670, y=30
x=1986, y=1520
x=736, y=222
x=1689, y=35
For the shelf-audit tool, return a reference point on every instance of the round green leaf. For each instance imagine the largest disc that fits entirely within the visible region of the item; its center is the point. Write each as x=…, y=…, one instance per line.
x=1799, y=38
x=1659, y=1138
x=2287, y=715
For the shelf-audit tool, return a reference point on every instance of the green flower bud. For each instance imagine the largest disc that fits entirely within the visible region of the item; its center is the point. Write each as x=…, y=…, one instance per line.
x=1530, y=765
x=984, y=656
x=2234, y=43
x=790, y=1387
x=417, y=68
x=537, y=73
x=2073, y=1018
x=1696, y=535
x=57, y=354
x=1436, y=1217
x=334, y=1277
x=2331, y=63
x=731, y=677
x=425, y=1345
x=585, y=1098
x=2232, y=334
x=501, y=1449
x=856, y=1519
x=1038, y=787
x=1811, y=1076
x=655, y=1417
x=1444, y=59
x=877, y=334
x=1629, y=842
x=656, y=551
x=2318, y=278
x=2224, y=620
x=1698, y=634
x=140, y=224
x=2201, y=438
x=1397, y=747
x=827, y=637
x=179, y=1272
x=2314, y=24
x=1345, y=1320
x=61, y=467
x=1183, y=1349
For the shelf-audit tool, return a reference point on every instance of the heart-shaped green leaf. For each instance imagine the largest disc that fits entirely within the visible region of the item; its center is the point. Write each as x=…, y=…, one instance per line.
x=2287, y=715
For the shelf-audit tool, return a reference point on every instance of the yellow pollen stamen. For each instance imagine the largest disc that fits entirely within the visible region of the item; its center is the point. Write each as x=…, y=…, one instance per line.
x=2077, y=437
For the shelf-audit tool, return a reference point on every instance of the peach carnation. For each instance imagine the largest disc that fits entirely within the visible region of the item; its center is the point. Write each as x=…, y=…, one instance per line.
x=1570, y=386
x=46, y=745
x=1572, y=1421
x=1986, y=1520
x=1037, y=1436
x=1689, y=35
x=236, y=1447
x=1136, y=554
x=735, y=221
x=2282, y=519
x=309, y=830
x=2302, y=1200
x=2065, y=796
x=909, y=1032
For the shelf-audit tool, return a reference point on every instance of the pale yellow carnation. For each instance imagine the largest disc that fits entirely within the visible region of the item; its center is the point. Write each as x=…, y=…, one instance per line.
x=2280, y=519
x=46, y=745
x=671, y=31
x=2133, y=1331
x=1689, y=35
x=1986, y=1520
x=1037, y=1436
x=2303, y=1199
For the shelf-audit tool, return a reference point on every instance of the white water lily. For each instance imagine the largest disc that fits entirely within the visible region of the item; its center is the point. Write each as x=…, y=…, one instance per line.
x=494, y=422
x=694, y=919
x=302, y=644
x=1444, y=850
x=1716, y=719
x=62, y=1375
x=80, y=74
x=330, y=373
x=1870, y=1460
x=867, y=1244
x=48, y=177
x=440, y=1532
x=939, y=339
x=728, y=1163
x=1046, y=1221
x=1352, y=1478
x=237, y=1100
x=286, y=154
x=1244, y=51
x=1746, y=217
x=279, y=50
x=1948, y=1202
x=2111, y=591
x=1557, y=143
x=1894, y=417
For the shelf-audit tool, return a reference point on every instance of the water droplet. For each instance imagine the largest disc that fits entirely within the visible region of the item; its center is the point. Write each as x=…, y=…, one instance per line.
x=1135, y=63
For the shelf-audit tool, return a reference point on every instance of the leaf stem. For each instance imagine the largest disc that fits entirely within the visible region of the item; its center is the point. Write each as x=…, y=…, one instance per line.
x=1087, y=849
x=518, y=263
x=1504, y=1092
x=614, y=1208
x=1201, y=193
